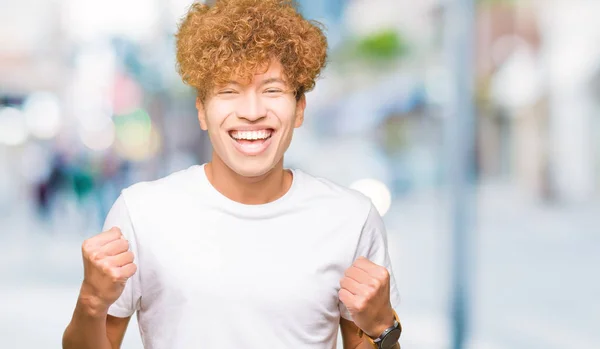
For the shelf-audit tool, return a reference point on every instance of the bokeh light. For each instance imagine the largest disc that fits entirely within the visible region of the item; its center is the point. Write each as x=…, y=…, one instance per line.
x=377, y=191
x=136, y=138
x=35, y=165
x=13, y=130
x=43, y=115
x=99, y=138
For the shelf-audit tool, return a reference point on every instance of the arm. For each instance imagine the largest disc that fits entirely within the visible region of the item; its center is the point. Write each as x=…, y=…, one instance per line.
x=86, y=329
x=90, y=330
x=368, y=293
x=115, y=329
x=107, y=266
x=365, y=292
x=350, y=337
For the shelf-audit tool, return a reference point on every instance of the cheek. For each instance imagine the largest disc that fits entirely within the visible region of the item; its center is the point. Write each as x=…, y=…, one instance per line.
x=283, y=110
x=216, y=115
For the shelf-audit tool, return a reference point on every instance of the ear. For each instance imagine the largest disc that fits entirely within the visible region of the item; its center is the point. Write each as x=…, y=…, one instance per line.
x=201, y=114
x=300, y=106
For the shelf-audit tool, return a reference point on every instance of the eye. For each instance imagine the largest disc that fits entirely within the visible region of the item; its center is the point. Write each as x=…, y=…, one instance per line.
x=273, y=90
x=227, y=92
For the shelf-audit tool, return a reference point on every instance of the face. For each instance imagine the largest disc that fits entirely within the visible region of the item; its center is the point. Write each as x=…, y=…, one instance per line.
x=250, y=125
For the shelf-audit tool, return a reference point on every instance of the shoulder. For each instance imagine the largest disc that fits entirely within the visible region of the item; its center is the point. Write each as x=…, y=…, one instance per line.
x=169, y=185
x=334, y=195
x=164, y=194
x=160, y=202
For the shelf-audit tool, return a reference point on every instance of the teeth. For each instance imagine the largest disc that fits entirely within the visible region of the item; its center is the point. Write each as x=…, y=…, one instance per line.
x=251, y=135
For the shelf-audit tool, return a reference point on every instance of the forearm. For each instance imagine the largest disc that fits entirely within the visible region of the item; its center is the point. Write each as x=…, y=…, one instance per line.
x=87, y=329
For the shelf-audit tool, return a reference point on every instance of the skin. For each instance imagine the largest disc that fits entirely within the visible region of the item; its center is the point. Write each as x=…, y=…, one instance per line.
x=265, y=102
x=365, y=291
x=107, y=265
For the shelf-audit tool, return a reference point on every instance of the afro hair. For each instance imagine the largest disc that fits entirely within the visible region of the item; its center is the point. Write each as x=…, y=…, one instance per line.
x=234, y=39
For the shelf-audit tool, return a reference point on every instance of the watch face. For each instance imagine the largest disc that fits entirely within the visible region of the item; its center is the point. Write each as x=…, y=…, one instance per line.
x=390, y=339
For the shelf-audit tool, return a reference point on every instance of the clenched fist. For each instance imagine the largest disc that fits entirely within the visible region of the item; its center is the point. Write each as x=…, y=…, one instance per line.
x=365, y=291
x=107, y=264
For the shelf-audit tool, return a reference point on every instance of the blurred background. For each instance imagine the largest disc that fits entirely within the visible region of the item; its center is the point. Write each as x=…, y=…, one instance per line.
x=90, y=103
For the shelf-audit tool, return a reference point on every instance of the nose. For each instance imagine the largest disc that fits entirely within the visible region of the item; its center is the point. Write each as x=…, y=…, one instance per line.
x=251, y=108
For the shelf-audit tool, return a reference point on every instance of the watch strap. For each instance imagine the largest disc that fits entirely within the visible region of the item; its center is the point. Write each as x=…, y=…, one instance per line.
x=370, y=340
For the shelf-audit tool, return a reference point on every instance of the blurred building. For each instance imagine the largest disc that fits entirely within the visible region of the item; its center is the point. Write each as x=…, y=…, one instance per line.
x=538, y=107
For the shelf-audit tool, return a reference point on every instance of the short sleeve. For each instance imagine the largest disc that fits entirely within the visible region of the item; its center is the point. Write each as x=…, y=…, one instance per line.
x=373, y=245
x=129, y=301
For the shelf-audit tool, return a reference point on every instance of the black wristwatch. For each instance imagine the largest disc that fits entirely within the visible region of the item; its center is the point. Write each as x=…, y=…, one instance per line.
x=389, y=337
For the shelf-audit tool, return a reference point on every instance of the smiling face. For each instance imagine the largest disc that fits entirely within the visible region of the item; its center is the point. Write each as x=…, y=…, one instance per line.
x=250, y=125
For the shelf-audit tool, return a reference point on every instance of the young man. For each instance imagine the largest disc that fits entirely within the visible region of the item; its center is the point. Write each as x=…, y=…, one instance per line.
x=241, y=252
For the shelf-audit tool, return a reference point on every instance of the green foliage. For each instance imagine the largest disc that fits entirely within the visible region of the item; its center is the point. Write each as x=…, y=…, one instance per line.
x=384, y=45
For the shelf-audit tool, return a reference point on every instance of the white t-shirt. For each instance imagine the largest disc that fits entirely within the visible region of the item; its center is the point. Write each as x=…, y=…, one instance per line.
x=215, y=273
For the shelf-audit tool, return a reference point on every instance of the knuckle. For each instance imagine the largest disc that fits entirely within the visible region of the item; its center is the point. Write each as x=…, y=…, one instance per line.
x=104, y=266
x=370, y=293
x=95, y=255
x=114, y=275
x=375, y=283
x=113, y=233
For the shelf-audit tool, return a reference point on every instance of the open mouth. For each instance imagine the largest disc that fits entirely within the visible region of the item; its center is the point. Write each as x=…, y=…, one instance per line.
x=250, y=137
x=253, y=142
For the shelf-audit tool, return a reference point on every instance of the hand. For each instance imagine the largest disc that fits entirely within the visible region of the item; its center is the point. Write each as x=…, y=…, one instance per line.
x=107, y=264
x=365, y=291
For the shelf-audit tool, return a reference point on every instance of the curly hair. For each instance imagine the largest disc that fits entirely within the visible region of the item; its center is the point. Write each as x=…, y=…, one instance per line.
x=234, y=39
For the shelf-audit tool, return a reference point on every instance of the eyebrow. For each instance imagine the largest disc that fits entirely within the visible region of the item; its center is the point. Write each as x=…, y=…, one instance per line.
x=264, y=82
x=270, y=80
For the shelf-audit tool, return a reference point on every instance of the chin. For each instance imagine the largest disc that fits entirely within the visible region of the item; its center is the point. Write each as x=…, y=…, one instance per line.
x=250, y=169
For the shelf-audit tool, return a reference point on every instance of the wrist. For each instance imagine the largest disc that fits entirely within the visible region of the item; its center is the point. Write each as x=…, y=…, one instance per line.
x=380, y=326
x=388, y=337
x=91, y=305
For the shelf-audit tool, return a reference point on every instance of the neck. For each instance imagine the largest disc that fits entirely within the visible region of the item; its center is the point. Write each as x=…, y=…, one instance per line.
x=248, y=190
